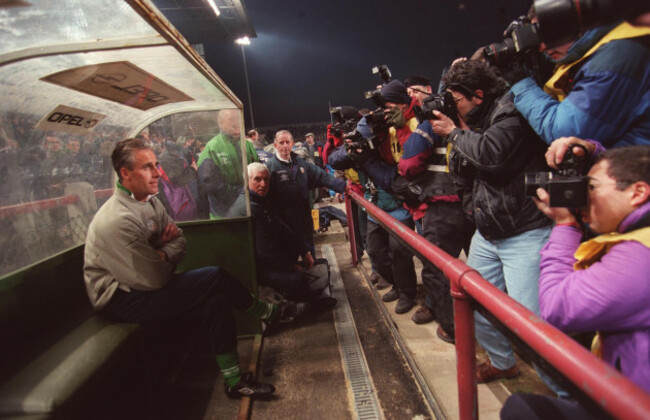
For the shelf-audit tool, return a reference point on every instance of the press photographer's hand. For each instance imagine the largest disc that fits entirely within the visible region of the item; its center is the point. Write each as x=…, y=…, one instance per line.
x=443, y=125
x=556, y=151
x=395, y=117
x=557, y=214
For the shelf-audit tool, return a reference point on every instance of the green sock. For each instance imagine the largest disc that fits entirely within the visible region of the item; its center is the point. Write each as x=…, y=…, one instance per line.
x=264, y=311
x=229, y=366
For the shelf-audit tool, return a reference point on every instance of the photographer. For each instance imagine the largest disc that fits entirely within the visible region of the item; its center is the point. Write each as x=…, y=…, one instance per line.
x=418, y=87
x=494, y=146
x=424, y=163
x=377, y=168
x=602, y=284
x=397, y=123
x=599, y=89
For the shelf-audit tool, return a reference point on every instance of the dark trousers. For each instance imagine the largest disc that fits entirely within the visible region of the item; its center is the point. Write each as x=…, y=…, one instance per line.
x=209, y=291
x=444, y=225
x=542, y=407
x=394, y=262
x=291, y=284
x=360, y=219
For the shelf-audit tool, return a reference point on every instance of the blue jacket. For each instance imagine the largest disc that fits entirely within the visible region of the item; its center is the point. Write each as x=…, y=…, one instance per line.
x=381, y=174
x=289, y=192
x=609, y=100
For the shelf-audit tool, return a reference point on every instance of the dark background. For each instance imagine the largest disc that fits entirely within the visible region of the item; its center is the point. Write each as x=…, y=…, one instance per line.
x=309, y=53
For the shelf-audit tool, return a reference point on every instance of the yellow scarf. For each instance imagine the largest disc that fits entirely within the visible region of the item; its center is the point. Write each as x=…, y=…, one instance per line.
x=558, y=85
x=591, y=251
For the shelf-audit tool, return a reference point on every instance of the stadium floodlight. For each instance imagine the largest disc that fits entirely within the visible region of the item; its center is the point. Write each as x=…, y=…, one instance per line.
x=214, y=7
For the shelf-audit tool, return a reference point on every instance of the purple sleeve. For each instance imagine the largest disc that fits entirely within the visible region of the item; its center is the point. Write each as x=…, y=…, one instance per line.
x=599, y=147
x=610, y=295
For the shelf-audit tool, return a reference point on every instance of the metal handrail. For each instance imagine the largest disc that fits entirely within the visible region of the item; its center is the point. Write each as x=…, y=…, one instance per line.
x=605, y=386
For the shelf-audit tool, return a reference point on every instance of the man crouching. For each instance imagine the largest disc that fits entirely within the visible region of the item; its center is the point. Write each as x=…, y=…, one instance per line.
x=278, y=246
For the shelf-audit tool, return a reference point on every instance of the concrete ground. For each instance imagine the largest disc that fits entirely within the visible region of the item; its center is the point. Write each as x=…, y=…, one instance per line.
x=434, y=358
x=304, y=360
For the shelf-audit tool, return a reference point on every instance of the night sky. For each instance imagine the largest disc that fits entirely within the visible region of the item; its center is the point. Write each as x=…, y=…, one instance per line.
x=309, y=53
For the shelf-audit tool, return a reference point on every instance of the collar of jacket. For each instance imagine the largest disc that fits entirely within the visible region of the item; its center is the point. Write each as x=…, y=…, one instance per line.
x=585, y=42
x=292, y=157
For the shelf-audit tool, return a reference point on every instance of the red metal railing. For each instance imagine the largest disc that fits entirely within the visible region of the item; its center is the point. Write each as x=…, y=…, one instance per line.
x=604, y=385
x=50, y=203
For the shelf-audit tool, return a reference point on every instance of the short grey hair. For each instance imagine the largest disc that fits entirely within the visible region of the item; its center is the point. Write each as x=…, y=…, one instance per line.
x=123, y=153
x=281, y=132
x=256, y=167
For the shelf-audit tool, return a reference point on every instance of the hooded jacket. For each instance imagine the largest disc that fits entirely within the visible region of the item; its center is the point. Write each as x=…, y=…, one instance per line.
x=607, y=93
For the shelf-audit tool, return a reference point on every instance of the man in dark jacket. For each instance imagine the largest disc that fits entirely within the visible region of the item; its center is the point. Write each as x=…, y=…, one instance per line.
x=291, y=180
x=495, y=146
x=277, y=246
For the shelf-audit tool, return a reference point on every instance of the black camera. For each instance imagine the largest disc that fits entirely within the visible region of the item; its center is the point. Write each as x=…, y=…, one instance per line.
x=344, y=120
x=443, y=102
x=376, y=120
x=562, y=21
x=383, y=72
x=359, y=144
x=522, y=36
x=337, y=130
x=377, y=97
x=567, y=187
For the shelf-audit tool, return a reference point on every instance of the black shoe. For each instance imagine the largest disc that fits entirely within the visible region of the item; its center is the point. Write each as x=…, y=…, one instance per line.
x=290, y=310
x=404, y=304
x=374, y=278
x=393, y=294
x=382, y=283
x=249, y=387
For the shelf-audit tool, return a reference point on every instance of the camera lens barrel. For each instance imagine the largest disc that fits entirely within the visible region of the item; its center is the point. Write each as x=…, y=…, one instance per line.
x=562, y=21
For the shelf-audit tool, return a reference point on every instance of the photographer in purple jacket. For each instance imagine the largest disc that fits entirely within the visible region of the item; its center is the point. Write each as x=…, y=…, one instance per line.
x=602, y=284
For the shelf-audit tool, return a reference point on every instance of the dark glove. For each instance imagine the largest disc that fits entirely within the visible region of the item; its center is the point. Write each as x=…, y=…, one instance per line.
x=514, y=72
x=395, y=117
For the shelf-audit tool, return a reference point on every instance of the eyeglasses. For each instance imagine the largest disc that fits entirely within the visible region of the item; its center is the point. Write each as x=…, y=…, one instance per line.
x=619, y=184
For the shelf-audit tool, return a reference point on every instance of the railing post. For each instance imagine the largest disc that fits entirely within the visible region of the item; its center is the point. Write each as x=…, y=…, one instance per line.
x=350, y=211
x=465, y=352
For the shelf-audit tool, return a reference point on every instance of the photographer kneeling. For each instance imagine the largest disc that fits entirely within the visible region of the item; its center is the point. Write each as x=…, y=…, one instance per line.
x=602, y=284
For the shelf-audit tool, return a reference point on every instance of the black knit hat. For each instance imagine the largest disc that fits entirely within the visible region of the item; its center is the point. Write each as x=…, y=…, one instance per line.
x=395, y=91
x=417, y=80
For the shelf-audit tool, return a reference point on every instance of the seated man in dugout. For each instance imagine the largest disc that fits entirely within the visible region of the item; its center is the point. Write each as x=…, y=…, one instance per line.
x=602, y=284
x=131, y=253
x=277, y=246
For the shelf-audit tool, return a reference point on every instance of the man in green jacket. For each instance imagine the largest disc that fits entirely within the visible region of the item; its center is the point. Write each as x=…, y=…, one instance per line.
x=221, y=176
